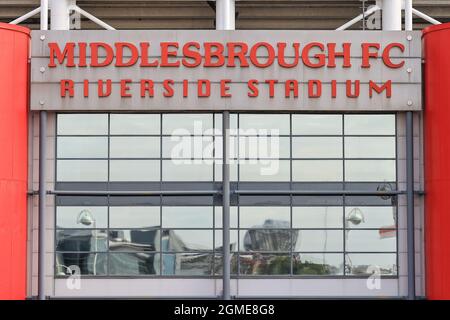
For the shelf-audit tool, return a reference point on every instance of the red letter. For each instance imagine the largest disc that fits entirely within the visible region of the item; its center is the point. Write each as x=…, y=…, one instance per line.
x=144, y=56
x=60, y=56
x=94, y=54
x=318, y=91
x=291, y=86
x=167, y=84
x=271, y=87
x=366, y=54
x=240, y=54
x=191, y=54
x=319, y=56
x=349, y=89
x=119, y=54
x=101, y=93
x=281, y=55
x=185, y=88
x=387, y=55
x=253, y=88
x=217, y=54
x=82, y=54
x=124, y=89
x=270, y=55
x=200, y=92
x=333, y=88
x=165, y=54
x=86, y=88
x=224, y=88
x=66, y=85
x=147, y=85
x=386, y=86
x=332, y=54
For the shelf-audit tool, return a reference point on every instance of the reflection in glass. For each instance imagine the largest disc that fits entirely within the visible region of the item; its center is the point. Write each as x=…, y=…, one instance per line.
x=82, y=170
x=319, y=241
x=187, y=217
x=68, y=263
x=265, y=239
x=323, y=264
x=133, y=263
x=316, y=124
x=134, y=240
x=187, y=240
x=370, y=217
x=134, y=217
x=187, y=264
x=82, y=147
x=69, y=217
x=381, y=240
x=264, y=264
x=81, y=240
x=262, y=217
x=82, y=124
x=317, y=217
x=134, y=147
x=218, y=264
x=218, y=240
x=358, y=264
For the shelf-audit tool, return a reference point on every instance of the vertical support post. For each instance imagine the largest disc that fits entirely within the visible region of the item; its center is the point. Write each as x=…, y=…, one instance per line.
x=59, y=14
x=408, y=15
x=226, y=204
x=44, y=14
x=42, y=204
x=392, y=14
x=410, y=205
x=225, y=20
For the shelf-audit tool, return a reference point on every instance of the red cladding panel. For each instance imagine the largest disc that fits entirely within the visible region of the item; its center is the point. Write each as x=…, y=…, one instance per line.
x=14, y=84
x=436, y=44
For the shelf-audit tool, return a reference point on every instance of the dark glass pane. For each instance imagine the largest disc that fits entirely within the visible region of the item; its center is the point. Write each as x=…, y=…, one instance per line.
x=187, y=240
x=134, y=263
x=81, y=240
x=218, y=264
x=187, y=264
x=134, y=240
x=83, y=263
x=265, y=264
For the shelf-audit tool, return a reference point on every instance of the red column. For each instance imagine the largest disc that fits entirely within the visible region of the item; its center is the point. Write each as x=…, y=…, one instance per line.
x=436, y=43
x=14, y=84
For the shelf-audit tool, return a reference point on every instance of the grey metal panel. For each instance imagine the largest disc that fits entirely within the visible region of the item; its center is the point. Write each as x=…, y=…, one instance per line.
x=40, y=48
x=401, y=94
x=378, y=72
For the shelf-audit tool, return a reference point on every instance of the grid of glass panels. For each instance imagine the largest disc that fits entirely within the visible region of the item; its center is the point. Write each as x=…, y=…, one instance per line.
x=271, y=235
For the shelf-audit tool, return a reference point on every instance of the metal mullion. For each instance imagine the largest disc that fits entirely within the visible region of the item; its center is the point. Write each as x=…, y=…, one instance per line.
x=160, y=196
x=344, y=235
x=291, y=198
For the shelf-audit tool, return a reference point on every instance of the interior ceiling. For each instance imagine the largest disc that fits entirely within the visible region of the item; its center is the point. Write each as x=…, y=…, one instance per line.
x=187, y=14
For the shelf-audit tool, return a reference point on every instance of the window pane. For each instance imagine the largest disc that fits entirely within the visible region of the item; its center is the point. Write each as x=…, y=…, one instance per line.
x=187, y=217
x=265, y=217
x=187, y=240
x=88, y=263
x=82, y=147
x=317, y=217
x=367, y=264
x=218, y=264
x=134, y=240
x=134, y=147
x=233, y=217
x=370, y=124
x=370, y=170
x=317, y=170
x=187, y=264
x=381, y=240
x=81, y=217
x=318, y=240
x=135, y=124
x=273, y=124
x=316, y=147
x=82, y=124
x=370, y=217
x=369, y=147
x=134, y=217
x=323, y=264
x=272, y=147
x=265, y=264
x=264, y=170
x=81, y=240
x=187, y=147
x=134, y=170
x=316, y=124
x=187, y=171
x=265, y=240
x=218, y=240
x=82, y=170
x=188, y=124
x=134, y=263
